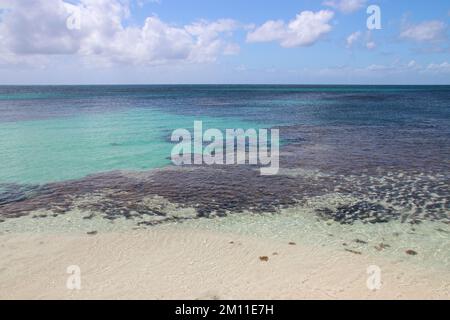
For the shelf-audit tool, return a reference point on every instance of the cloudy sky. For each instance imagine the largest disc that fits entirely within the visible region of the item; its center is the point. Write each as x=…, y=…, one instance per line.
x=223, y=41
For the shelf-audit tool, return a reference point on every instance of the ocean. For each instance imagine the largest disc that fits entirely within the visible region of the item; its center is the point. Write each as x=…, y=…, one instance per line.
x=369, y=161
x=57, y=133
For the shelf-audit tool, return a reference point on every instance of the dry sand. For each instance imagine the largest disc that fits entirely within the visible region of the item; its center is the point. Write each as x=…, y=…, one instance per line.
x=184, y=263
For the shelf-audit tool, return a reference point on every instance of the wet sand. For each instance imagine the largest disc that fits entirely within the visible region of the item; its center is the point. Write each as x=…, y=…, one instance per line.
x=173, y=262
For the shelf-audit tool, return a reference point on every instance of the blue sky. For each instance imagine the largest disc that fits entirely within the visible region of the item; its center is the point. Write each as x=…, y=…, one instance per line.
x=223, y=41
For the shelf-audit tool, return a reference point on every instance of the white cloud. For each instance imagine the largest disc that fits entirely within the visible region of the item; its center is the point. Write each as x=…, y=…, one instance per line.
x=427, y=31
x=353, y=38
x=307, y=28
x=378, y=67
x=413, y=65
x=395, y=72
x=361, y=40
x=371, y=45
x=41, y=29
x=394, y=69
x=443, y=67
x=345, y=6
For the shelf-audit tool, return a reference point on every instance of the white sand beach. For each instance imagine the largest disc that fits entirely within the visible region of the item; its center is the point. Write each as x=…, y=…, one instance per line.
x=188, y=263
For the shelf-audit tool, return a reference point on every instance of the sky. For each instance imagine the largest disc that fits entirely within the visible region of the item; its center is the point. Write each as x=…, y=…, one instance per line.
x=224, y=42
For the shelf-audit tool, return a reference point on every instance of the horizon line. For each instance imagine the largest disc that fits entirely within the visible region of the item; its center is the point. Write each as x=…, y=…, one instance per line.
x=220, y=84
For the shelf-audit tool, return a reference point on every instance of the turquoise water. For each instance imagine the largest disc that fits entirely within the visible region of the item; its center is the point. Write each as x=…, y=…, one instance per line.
x=41, y=151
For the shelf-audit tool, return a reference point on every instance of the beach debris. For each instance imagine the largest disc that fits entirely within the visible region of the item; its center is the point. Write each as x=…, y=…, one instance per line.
x=264, y=258
x=354, y=251
x=382, y=246
x=275, y=253
x=292, y=243
x=39, y=216
x=411, y=252
x=92, y=233
x=360, y=241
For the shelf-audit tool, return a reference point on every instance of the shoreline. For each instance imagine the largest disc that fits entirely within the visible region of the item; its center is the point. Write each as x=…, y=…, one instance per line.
x=173, y=262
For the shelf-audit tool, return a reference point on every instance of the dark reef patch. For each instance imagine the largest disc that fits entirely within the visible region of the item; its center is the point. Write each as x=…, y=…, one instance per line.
x=363, y=211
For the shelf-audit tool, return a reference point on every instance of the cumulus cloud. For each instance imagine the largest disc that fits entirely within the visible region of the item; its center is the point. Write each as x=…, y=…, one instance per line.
x=40, y=28
x=306, y=29
x=353, y=38
x=345, y=6
x=427, y=31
